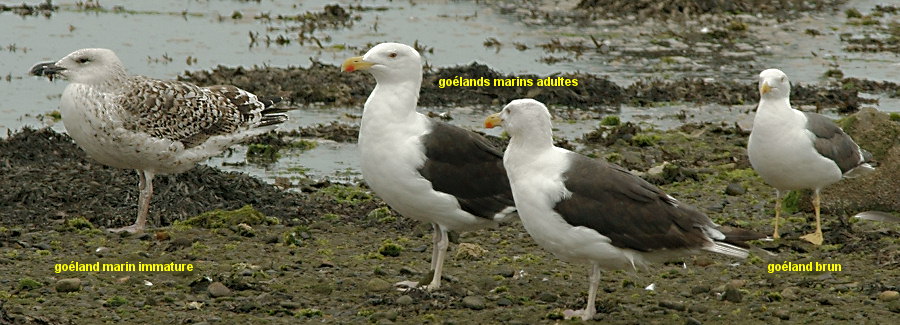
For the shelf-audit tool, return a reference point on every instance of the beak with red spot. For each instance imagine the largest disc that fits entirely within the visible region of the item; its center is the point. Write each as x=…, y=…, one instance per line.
x=494, y=120
x=355, y=63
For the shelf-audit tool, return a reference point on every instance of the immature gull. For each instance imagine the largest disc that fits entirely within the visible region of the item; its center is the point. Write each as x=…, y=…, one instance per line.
x=152, y=126
x=590, y=211
x=425, y=169
x=794, y=150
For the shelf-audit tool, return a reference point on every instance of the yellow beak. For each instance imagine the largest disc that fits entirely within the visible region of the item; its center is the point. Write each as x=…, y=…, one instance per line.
x=765, y=88
x=494, y=120
x=355, y=63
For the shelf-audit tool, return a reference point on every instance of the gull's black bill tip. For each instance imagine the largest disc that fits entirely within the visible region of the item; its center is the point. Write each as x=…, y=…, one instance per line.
x=46, y=69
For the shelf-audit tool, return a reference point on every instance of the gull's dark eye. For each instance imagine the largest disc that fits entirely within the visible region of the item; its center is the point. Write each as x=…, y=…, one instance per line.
x=392, y=55
x=782, y=79
x=82, y=60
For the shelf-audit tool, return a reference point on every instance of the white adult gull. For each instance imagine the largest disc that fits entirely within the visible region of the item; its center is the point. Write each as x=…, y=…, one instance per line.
x=793, y=150
x=590, y=211
x=150, y=125
x=425, y=169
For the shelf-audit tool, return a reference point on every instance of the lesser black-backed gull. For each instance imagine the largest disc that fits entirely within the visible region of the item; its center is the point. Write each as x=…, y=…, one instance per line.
x=425, y=169
x=590, y=211
x=793, y=150
x=150, y=125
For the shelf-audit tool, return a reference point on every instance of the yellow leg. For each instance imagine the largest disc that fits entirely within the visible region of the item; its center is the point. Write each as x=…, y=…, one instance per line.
x=817, y=237
x=777, y=213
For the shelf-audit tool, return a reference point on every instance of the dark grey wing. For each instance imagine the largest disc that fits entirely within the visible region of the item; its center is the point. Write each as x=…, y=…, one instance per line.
x=464, y=164
x=832, y=143
x=628, y=210
x=184, y=112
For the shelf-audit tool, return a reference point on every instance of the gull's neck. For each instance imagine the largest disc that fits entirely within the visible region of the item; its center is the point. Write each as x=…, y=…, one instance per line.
x=394, y=100
x=778, y=105
x=530, y=143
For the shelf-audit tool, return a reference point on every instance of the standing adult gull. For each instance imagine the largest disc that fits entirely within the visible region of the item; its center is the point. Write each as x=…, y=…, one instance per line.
x=425, y=169
x=590, y=211
x=794, y=150
x=150, y=125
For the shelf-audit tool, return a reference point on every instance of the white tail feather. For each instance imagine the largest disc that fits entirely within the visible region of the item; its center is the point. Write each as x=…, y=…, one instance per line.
x=727, y=249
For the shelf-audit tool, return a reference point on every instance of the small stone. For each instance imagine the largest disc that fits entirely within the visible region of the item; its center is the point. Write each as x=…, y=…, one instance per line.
x=162, y=235
x=377, y=284
x=828, y=301
x=674, y=305
x=692, y=321
x=473, y=302
x=469, y=251
x=789, y=293
x=782, y=314
x=287, y=304
x=894, y=306
x=386, y=315
x=698, y=309
x=888, y=295
x=736, y=284
x=217, y=289
x=101, y=251
x=406, y=270
x=506, y=272
x=732, y=295
x=700, y=289
x=735, y=189
x=503, y=302
x=547, y=297
x=68, y=285
x=404, y=300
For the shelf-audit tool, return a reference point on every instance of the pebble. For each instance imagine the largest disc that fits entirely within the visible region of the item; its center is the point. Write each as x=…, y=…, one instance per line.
x=736, y=284
x=735, y=189
x=888, y=295
x=673, y=305
x=404, y=300
x=732, y=295
x=101, y=251
x=789, y=293
x=406, y=270
x=700, y=289
x=547, y=297
x=692, y=321
x=68, y=285
x=389, y=315
x=503, y=302
x=217, y=289
x=894, y=307
x=782, y=314
x=698, y=309
x=469, y=251
x=473, y=302
x=287, y=304
x=377, y=284
x=506, y=272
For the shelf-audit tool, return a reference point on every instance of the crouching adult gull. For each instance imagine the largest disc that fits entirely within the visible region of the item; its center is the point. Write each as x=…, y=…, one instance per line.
x=794, y=150
x=425, y=169
x=590, y=211
x=152, y=126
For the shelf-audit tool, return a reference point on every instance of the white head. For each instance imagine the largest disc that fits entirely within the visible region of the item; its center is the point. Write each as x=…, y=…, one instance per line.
x=388, y=62
x=774, y=84
x=86, y=66
x=525, y=120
